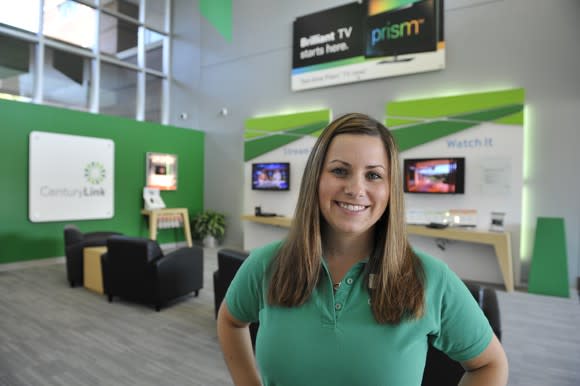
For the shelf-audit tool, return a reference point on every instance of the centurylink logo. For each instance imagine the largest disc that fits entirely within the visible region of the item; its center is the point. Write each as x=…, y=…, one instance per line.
x=95, y=173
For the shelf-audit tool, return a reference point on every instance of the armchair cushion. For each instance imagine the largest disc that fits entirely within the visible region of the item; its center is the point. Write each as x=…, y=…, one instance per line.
x=74, y=243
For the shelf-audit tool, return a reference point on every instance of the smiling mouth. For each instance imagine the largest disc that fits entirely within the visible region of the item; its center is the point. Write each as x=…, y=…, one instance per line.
x=351, y=207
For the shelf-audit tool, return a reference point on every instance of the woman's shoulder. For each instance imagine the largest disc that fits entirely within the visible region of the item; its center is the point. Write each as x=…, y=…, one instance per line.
x=434, y=268
x=441, y=280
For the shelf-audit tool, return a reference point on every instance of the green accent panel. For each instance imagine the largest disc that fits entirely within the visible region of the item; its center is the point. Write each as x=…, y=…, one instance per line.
x=411, y=136
x=283, y=122
x=257, y=147
x=490, y=114
x=317, y=133
x=549, y=265
x=252, y=134
x=23, y=240
x=514, y=119
x=219, y=14
x=454, y=105
x=394, y=122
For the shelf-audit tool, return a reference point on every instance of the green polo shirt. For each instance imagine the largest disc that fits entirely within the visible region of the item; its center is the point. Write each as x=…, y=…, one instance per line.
x=333, y=339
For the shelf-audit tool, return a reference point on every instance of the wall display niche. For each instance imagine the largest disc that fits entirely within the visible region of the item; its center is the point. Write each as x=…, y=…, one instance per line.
x=485, y=131
x=276, y=148
x=161, y=171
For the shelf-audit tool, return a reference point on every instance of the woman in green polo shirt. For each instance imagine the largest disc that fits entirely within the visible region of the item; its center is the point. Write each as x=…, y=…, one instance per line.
x=344, y=300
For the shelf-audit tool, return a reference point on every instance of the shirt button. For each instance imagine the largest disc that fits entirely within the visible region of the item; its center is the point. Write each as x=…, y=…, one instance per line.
x=338, y=306
x=349, y=281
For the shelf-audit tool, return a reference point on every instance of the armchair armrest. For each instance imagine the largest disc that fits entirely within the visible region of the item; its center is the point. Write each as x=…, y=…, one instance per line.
x=186, y=257
x=178, y=273
x=105, y=271
x=490, y=307
x=93, y=239
x=486, y=297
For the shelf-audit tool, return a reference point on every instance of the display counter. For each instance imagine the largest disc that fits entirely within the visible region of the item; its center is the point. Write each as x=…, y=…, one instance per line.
x=499, y=240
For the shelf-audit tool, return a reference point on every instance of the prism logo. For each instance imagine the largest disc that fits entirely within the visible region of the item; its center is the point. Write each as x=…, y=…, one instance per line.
x=396, y=31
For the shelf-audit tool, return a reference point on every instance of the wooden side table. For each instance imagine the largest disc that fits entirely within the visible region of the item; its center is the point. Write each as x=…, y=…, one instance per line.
x=92, y=271
x=156, y=214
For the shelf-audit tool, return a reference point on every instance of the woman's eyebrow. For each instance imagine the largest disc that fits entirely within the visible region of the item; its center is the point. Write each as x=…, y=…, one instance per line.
x=339, y=161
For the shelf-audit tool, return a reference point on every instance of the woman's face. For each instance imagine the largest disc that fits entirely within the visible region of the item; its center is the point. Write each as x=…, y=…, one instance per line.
x=353, y=190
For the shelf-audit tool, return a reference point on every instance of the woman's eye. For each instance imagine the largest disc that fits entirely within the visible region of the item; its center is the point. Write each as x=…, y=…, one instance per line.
x=340, y=172
x=374, y=176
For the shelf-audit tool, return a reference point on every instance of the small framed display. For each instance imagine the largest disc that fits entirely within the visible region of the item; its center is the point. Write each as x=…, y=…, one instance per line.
x=161, y=171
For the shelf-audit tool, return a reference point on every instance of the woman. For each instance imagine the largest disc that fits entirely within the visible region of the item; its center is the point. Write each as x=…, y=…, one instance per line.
x=344, y=300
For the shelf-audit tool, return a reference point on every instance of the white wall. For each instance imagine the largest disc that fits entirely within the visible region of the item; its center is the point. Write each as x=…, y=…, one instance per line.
x=491, y=45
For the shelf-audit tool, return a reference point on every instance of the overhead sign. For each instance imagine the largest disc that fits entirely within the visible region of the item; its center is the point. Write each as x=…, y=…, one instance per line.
x=70, y=177
x=367, y=40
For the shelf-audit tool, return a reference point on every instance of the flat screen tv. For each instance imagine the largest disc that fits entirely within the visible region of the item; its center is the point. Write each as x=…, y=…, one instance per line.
x=398, y=27
x=434, y=175
x=271, y=176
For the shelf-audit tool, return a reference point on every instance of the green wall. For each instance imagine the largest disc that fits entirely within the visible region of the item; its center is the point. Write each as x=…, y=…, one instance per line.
x=22, y=240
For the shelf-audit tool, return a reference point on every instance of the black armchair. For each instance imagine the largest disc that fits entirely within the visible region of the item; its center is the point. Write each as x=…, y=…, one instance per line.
x=440, y=370
x=74, y=243
x=136, y=269
x=229, y=261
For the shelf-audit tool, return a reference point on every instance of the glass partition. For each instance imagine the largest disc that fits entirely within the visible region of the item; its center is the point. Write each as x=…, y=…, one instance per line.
x=63, y=17
x=66, y=79
x=153, y=93
x=23, y=16
x=16, y=63
x=118, y=92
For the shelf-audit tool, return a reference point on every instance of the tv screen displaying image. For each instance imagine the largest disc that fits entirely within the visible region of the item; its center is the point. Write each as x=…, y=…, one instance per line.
x=434, y=175
x=161, y=171
x=401, y=27
x=271, y=176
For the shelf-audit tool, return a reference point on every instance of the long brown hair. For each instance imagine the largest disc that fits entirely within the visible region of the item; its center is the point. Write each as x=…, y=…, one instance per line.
x=395, y=275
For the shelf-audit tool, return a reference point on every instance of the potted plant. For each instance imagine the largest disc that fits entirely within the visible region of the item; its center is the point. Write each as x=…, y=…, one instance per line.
x=209, y=226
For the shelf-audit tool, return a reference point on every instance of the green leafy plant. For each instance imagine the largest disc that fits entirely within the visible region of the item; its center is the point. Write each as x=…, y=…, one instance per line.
x=208, y=223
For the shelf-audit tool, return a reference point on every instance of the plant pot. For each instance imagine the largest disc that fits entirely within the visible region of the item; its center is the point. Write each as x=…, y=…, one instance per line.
x=209, y=242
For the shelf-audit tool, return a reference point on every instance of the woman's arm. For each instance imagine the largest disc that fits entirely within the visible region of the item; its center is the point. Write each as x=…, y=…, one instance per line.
x=234, y=338
x=490, y=368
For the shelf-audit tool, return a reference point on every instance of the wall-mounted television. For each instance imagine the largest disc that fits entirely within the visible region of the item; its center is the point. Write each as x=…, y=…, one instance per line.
x=434, y=175
x=271, y=176
x=402, y=27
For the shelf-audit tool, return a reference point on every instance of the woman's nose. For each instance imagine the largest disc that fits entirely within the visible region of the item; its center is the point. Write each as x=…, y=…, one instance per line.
x=354, y=187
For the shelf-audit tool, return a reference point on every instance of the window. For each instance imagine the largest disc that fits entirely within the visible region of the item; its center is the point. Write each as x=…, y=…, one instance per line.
x=63, y=17
x=66, y=79
x=154, y=89
x=118, y=38
x=118, y=93
x=15, y=17
x=155, y=12
x=154, y=50
x=78, y=64
x=16, y=63
x=129, y=8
